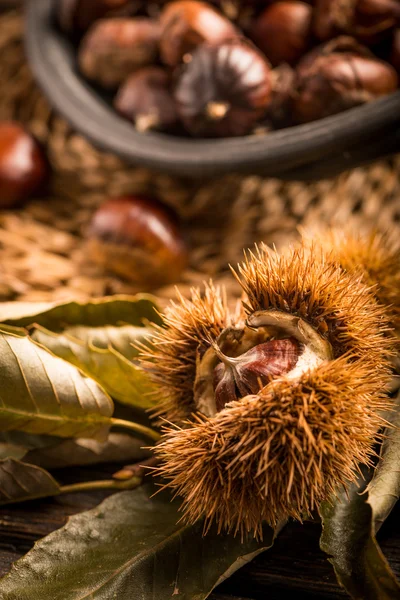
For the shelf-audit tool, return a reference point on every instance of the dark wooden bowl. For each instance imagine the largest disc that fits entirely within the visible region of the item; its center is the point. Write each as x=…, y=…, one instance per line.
x=306, y=152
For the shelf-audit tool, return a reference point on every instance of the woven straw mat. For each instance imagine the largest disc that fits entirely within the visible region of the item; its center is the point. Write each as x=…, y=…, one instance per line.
x=41, y=244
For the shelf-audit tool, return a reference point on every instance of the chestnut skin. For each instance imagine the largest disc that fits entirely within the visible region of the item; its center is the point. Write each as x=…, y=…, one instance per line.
x=114, y=48
x=23, y=165
x=146, y=99
x=223, y=90
x=188, y=23
x=339, y=81
x=283, y=31
x=139, y=239
x=76, y=16
x=395, y=51
x=367, y=20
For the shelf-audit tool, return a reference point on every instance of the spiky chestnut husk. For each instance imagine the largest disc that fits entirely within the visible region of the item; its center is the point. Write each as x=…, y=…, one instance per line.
x=277, y=454
x=375, y=255
x=280, y=452
x=303, y=283
x=309, y=284
x=190, y=328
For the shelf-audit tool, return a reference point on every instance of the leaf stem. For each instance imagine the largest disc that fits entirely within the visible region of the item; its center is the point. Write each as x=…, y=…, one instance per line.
x=140, y=429
x=107, y=484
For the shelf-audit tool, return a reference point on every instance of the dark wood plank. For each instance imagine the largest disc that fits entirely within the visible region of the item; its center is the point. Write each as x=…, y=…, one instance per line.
x=294, y=567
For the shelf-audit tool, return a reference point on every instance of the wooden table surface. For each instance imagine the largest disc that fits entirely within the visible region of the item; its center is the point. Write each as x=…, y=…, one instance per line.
x=293, y=568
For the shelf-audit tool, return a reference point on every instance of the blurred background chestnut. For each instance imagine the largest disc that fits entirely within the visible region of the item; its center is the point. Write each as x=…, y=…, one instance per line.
x=338, y=81
x=224, y=89
x=186, y=24
x=76, y=16
x=366, y=20
x=138, y=238
x=23, y=165
x=114, y=48
x=146, y=99
x=283, y=31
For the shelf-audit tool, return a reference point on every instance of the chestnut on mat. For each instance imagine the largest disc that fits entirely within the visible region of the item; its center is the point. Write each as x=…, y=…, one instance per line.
x=23, y=165
x=138, y=238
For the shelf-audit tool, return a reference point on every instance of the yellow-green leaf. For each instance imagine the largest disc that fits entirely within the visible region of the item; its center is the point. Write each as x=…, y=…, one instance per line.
x=42, y=394
x=114, y=310
x=119, y=376
x=123, y=339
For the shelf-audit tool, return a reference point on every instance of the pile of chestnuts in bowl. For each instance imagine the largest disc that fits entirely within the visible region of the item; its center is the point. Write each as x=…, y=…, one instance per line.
x=268, y=73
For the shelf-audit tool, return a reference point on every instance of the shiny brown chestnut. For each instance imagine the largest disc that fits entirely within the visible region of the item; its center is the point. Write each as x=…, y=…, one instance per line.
x=146, y=99
x=395, y=51
x=114, y=48
x=76, y=16
x=283, y=31
x=188, y=23
x=335, y=82
x=23, y=165
x=139, y=239
x=366, y=20
x=223, y=90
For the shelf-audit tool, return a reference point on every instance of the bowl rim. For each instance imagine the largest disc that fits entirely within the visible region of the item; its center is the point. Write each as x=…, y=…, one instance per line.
x=53, y=65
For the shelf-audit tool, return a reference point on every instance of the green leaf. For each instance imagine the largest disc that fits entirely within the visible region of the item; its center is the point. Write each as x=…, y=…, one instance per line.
x=348, y=539
x=20, y=481
x=42, y=394
x=120, y=377
x=130, y=547
x=119, y=447
x=350, y=525
x=384, y=488
x=115, y=310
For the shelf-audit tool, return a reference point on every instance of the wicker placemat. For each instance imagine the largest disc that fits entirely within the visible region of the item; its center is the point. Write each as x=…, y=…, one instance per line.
x=41, y=245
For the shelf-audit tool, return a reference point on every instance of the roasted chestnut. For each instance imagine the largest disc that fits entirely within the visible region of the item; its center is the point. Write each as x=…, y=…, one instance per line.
x=335, y=82
x=283, y=31
x=146, y=99
x=76, y=16
x=223, y=90
x=23, y=165
x=138, y=238
x=186, y=24
x=114, y=48
x=366, y=20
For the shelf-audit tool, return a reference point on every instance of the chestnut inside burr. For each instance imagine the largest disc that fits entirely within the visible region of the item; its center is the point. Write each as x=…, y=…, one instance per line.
x=236, y=377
